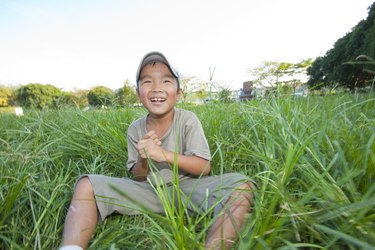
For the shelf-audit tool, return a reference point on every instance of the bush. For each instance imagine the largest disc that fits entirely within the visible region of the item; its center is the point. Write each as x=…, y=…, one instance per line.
x=100, y=96
x=36, y=95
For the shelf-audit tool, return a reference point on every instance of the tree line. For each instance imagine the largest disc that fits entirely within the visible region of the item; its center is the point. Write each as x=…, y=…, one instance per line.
x=41, y=96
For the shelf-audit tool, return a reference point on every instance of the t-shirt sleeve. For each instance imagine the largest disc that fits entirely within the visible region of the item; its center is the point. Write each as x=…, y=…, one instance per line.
x=132, y=147
x=195, y=139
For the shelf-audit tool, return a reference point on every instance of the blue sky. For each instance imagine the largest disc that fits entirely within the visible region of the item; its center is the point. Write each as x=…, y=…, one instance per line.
x=81, y=44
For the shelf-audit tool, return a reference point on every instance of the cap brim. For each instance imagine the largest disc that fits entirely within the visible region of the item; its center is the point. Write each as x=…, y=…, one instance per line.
x=155, y=57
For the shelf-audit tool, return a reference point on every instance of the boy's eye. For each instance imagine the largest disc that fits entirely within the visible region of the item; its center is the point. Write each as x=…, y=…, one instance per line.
x=146, y=82
x=168, y=80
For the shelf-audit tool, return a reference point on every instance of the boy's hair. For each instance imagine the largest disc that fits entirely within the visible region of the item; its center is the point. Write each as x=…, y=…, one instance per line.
x=153, y=57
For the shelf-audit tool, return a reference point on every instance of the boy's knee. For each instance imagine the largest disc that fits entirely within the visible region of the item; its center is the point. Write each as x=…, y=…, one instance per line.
x=84, y=187
x=247, y=186
x=245, y=190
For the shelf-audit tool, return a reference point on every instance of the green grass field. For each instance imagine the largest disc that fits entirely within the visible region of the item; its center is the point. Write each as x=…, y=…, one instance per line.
x=313, y=160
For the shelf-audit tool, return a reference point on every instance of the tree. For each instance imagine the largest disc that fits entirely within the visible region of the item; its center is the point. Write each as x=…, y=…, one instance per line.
x=332, y=67
x=224, y=95
x=6, y=96
x=188, y=85
x=79, y=97
x=280, y=76
x=100, y=96
x=293, y=74
x=36, y=95
x=201, y=94
x=367, y=63
x=76, y=98
x=126, y=95
x=266, y=74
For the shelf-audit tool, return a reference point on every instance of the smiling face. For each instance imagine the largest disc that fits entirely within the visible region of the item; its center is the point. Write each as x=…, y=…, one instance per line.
x=158, y=90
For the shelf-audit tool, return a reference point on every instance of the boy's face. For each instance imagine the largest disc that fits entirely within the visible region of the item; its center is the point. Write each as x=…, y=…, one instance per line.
x=158, y=89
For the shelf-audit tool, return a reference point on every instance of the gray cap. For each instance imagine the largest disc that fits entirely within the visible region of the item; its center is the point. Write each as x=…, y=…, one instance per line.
x=155, y=56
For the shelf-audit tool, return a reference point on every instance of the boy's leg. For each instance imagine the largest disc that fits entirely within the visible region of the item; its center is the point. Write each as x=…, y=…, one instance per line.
x=82, y=215
x=225, y=229
x=97, y=196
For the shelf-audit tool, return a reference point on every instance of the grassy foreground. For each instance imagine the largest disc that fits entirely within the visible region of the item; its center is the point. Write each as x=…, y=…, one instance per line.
x=313, y=160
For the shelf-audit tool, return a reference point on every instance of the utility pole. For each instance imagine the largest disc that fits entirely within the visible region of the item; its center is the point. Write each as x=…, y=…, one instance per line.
x=211, y=72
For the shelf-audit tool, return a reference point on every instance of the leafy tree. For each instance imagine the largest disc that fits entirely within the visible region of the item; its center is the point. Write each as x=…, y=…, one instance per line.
x=266, y=74
x=67, y=100
x=279, y=77
x=100, y=95
x=36, y=95
x=201, y=94
x=188, y=85
x=292, y=74
x=332, y=67
x=78, y=97
x=6, y=96
x=224, y=95
x=367, y=63
x=126, y=95
x=316, y=73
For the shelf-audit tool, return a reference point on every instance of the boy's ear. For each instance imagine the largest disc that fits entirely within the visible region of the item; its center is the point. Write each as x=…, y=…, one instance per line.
x=179, y=93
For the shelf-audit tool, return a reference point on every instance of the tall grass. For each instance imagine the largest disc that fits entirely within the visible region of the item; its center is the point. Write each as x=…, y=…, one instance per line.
x=313, y=161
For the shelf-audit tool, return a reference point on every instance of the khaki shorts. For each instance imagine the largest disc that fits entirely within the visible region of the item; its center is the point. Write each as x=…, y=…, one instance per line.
x=129, y=197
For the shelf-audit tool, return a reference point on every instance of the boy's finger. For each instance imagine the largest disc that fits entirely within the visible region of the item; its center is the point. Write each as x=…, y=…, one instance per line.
x=149, y=134
x=158, y=142
x=154, y=137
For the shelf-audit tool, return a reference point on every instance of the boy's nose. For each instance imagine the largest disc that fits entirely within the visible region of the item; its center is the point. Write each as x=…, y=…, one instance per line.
x=157, y=86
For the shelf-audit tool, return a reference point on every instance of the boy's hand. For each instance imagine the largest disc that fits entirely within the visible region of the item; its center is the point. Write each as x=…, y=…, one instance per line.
x=150, y=147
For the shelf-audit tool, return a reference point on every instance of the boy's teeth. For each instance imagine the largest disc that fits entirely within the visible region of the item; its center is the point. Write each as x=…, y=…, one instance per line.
x=157, y=99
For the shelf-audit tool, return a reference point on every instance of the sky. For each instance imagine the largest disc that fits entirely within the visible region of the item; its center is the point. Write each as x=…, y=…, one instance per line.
x=76, y=44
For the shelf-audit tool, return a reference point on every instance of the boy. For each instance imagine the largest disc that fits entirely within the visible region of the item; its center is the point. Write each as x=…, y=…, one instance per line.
x=154, y=138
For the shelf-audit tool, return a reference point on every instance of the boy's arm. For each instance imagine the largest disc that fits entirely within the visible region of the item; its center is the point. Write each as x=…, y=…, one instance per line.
x=150, y=147
x=191, y=164
x=194, y=165
x=140, y=169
